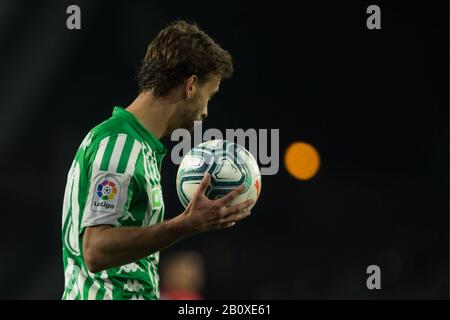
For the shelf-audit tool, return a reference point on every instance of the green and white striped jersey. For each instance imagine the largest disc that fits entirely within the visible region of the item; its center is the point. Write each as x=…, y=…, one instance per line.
x=115, y=180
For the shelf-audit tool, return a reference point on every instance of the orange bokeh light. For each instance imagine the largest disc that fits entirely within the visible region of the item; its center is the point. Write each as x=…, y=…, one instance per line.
x=302, y=160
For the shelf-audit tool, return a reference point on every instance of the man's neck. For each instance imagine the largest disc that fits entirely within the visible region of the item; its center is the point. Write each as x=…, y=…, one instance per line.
x=153, y=113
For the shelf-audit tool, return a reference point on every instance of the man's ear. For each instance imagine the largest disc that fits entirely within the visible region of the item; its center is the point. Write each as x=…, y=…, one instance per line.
x=190, y=86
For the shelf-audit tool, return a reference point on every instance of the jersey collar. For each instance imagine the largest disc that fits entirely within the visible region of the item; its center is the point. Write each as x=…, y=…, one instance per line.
x=154, y=143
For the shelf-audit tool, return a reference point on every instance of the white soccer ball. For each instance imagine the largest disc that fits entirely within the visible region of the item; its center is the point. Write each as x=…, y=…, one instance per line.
x=229, y=165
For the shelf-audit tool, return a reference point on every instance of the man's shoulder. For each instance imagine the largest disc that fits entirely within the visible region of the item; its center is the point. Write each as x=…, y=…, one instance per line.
x=111, y=128
x=107, y=134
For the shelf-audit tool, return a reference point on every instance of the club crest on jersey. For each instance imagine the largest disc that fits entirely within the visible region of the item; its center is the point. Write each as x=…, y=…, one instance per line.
x=106, y=195
x=156, y=199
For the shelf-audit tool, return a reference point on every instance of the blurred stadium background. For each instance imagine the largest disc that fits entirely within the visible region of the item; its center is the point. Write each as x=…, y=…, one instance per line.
x=373, y=103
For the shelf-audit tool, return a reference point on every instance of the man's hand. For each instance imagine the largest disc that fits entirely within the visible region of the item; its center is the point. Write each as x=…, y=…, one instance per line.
x=203, y=214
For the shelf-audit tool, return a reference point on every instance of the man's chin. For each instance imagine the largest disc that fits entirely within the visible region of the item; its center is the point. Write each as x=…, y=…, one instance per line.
x=191, y=126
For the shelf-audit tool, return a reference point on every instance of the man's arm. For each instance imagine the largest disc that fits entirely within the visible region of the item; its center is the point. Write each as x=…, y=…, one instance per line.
x=105, y=247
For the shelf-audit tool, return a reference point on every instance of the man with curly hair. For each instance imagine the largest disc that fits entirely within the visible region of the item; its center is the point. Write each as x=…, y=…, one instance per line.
x=113, y=212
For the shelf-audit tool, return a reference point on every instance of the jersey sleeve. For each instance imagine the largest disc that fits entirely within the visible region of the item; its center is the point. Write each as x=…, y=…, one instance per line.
x=111, y=166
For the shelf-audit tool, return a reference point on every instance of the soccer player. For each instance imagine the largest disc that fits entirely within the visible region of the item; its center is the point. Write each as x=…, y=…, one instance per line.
x=112, y=224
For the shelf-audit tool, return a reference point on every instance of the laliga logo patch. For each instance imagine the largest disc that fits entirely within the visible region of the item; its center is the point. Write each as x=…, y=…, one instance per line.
x=106, y=194
x=107, y=190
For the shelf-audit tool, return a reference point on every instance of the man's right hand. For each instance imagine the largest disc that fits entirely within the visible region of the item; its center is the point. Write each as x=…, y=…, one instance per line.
x=203, y=214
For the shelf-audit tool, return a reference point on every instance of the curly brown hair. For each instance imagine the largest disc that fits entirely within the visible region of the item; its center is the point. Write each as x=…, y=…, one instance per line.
x=180, y=50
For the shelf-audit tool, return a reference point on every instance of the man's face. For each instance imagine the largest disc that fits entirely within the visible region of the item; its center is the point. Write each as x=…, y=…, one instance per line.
x=196, y=105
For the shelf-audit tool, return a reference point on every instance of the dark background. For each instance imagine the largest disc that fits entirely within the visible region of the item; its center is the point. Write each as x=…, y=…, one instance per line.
x=374, y=104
